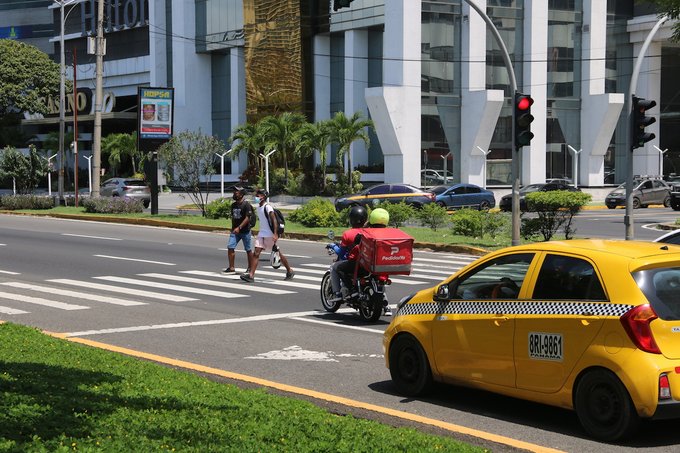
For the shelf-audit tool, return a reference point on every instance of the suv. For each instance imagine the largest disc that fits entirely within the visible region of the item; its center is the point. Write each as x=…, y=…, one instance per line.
x=675, y=196
x=646, y=191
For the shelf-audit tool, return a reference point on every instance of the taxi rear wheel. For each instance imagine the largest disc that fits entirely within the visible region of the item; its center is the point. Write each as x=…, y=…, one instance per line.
x=409, y=367
x=604, y=407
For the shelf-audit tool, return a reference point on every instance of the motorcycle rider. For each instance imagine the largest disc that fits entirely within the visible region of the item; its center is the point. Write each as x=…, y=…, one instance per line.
x=357, y=219
x=379, y=218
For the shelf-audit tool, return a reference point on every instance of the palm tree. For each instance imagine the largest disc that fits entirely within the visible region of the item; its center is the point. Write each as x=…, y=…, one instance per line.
x=279, y=132
x=118, y=146
x=250, y=139
x=311, y=137
x=345, y=131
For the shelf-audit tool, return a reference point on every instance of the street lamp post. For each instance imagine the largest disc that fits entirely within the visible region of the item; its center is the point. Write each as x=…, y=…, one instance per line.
x=575, y=170
x=221, y=156
x=266, y=167
x=89, y=174
x=485, y=153
x=49, y=174
x=62, y=93
x=446, y=173
x=661, y=153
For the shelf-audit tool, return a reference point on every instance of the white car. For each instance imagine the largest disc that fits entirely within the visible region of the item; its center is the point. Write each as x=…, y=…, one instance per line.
x=431, y=177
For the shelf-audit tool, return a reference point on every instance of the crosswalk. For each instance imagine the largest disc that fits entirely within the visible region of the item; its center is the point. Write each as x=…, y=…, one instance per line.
x=18, y=297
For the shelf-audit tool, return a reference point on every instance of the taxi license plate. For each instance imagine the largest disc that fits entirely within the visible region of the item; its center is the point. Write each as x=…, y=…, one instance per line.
x=546, y=346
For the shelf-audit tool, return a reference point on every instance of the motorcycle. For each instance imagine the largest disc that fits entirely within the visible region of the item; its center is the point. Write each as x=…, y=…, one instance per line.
x=367, y=296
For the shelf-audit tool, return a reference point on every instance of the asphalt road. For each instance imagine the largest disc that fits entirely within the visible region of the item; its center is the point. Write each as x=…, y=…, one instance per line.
x=163, y=296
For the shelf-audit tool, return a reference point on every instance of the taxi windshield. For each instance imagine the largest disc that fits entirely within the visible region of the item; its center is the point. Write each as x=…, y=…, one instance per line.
x=661, y=287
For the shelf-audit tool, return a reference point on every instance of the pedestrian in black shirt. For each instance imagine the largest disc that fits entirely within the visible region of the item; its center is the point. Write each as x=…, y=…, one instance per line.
x=241, y=215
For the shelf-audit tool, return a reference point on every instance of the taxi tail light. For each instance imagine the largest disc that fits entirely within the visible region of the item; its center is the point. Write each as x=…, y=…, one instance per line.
x=636, y=322
x=664, y=387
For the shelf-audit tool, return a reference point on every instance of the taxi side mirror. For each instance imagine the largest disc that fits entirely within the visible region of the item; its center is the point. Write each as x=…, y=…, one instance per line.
x=442, y=292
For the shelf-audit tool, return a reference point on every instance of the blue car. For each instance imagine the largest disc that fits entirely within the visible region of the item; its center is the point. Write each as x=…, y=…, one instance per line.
x=464, y=196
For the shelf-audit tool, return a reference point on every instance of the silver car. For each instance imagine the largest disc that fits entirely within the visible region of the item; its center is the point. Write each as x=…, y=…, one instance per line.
x=127, y=187
x=645, y=192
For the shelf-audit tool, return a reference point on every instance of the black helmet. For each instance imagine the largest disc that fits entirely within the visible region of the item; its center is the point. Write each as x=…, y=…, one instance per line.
x=357, y=216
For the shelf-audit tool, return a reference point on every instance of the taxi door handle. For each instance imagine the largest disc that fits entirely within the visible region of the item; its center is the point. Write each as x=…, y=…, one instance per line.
x=500, y=319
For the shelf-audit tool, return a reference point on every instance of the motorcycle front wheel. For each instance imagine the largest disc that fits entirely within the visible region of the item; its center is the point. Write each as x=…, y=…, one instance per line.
x=371, y=309
x=327, y=294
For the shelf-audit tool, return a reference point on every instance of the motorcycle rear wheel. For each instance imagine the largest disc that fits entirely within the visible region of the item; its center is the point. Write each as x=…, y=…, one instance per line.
x=327, y=294
x=371, y=309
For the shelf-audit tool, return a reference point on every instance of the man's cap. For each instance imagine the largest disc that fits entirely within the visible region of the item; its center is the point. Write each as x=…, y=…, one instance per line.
x=262, y=192
x=239, y=189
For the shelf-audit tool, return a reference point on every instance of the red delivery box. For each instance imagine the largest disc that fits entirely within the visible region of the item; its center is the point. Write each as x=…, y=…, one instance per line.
x=386, y=251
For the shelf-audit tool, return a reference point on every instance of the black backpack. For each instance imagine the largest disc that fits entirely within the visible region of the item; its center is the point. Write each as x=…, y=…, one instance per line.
x=279, y=219
x=253, y=218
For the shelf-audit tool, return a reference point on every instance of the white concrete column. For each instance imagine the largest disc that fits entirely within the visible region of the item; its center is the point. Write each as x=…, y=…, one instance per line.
x=237, y=90
x=322, y=80
x=158, y=76
x=356, y=82
x=481, y=107
x=535, y=82
x=395, y=107
x=191, y=73
x=599, y=110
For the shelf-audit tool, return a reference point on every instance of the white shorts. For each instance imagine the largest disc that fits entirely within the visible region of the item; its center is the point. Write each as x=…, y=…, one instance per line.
x=265, y=243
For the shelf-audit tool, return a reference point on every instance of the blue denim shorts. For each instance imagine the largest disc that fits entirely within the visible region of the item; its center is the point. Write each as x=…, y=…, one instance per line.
x=247, y=239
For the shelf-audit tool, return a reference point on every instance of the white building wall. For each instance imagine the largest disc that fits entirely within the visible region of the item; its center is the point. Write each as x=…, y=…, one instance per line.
x=238, y=102
x=356, y=82
x=322, y=82
x=395, y=107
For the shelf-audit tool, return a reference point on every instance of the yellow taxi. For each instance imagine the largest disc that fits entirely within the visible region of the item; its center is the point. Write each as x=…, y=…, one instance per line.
x=588, y=325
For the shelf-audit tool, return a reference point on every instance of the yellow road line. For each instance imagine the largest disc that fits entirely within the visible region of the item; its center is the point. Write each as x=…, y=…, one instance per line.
x=313, y=394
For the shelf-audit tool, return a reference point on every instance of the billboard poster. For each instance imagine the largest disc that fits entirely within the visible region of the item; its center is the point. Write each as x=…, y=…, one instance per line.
x=155, y=113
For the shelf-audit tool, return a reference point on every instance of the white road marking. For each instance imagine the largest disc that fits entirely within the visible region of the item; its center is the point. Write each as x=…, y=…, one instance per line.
x=297, y=353
x=269, y=281
x=91, y=237
x=12, y=311
x=9, y=272
x=213, y=322
x=41, y=301
x=134, y=259
x=118, y=289
x=394, y=280
x=65, y=292
x=186, y=289
x=343, y=326
x=457, y=260
x=3, y=245
x=200, y=281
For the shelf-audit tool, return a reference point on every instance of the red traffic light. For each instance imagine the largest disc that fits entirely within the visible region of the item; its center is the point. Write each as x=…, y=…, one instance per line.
x=524, y=102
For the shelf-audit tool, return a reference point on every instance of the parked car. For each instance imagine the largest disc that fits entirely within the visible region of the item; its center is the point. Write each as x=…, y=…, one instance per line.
x=126, y=187
x=675, y=193
x=588, y=325
x=381, y=193
x=646, y=191
x=464, y=196
x=672, y=237
x=566, y=182
x=430, y=177
x=506, y=201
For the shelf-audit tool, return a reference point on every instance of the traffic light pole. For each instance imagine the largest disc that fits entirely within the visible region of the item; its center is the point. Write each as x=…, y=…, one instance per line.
x=515, y=151
x=628, y=220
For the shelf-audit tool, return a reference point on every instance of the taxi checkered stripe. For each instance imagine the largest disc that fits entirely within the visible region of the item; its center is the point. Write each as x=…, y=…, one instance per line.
x=516, y=308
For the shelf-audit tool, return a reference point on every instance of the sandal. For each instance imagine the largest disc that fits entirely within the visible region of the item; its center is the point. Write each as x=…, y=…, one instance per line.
x=229, y=270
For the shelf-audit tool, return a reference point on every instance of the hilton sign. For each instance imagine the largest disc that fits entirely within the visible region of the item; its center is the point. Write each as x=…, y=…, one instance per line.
x=119, y=15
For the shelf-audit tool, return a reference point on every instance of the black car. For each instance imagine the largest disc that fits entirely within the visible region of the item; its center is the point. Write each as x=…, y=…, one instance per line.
x=382, y=193
x=506, y=201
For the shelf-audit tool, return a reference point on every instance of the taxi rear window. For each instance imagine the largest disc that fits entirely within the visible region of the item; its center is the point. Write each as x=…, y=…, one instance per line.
x=661, y=287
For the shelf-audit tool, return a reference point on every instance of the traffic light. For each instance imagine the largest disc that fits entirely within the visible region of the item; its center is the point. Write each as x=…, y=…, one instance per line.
x=523, y=119
x=641, y=121
x=337, y=4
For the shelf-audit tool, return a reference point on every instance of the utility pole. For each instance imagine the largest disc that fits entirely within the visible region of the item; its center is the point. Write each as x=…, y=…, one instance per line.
x=62, y=107
x=97, y=139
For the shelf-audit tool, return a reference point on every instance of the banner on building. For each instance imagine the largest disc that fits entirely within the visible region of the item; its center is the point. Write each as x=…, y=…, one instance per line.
x=155, y=116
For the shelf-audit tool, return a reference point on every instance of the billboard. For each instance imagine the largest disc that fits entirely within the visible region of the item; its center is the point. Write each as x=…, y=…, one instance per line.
x=155, y=115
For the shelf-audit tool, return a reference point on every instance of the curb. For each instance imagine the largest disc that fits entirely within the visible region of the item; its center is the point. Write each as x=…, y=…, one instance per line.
x=453, y=248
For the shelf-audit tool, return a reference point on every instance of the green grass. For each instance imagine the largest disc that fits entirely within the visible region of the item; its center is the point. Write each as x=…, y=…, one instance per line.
x=61, y=396
x=442, y=236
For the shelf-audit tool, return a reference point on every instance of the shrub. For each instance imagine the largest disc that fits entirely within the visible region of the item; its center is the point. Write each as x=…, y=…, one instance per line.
x=433, y=215
x=400, y=213
x=14, y=202
x=555, y=210
x=475, y=223
x=318, y=212
x=218, y=209
x=114, y=205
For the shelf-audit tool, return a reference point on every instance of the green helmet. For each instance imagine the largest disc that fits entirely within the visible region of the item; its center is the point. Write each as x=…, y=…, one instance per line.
x=379, y=216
